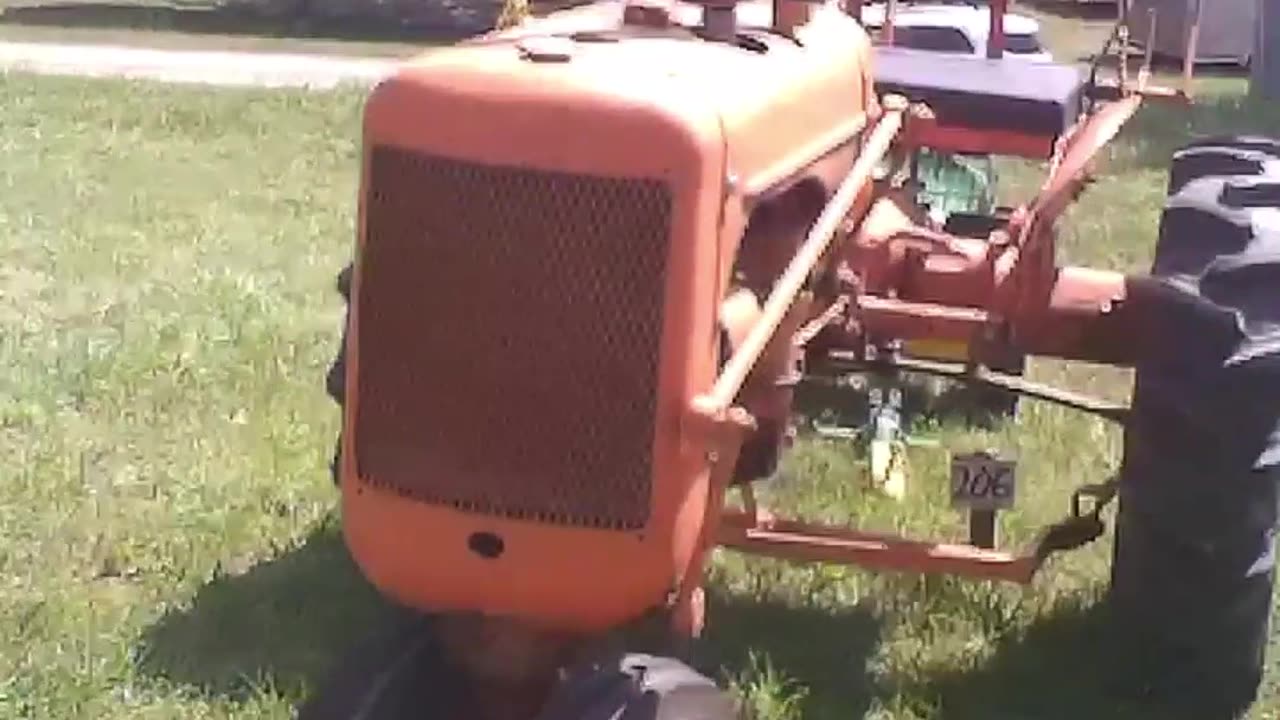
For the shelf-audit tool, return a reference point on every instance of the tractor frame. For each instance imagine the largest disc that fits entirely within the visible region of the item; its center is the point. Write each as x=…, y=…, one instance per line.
x=1009, y=285
x=876, y=288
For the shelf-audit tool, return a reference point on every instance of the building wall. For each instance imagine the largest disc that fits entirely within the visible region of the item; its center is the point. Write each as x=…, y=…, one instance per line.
x=1266, y=60
x=1227, y=27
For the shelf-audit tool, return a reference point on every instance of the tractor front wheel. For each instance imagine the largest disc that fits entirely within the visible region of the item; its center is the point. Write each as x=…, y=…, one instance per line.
x=1194, y=558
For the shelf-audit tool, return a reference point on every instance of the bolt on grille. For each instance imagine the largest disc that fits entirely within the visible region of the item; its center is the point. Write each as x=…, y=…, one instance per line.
x=510, y=323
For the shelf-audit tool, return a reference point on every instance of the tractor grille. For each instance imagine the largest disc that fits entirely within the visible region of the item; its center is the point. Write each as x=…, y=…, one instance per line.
x=510, y=322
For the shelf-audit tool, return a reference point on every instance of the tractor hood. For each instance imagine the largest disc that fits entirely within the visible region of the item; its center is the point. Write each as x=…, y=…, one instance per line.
x=543, y=242
x=577, y=77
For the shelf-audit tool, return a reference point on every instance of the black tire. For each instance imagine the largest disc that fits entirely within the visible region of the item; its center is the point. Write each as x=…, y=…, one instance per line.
x=394, y=674
x=336, y=379
x=401, y=673
x=1193, y=567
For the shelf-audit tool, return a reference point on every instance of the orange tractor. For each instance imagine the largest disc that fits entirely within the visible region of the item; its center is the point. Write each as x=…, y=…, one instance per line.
x=599, y=253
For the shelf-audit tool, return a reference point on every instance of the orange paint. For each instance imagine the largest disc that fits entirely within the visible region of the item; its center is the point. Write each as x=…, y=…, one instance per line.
x=703, y=119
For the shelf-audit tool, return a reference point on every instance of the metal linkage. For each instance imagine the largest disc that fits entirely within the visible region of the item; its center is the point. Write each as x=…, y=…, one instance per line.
x=1116, y=412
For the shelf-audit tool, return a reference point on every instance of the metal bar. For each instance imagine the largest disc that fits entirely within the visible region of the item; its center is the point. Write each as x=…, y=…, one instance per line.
x=1122, y=52
x=1109, y=90
x=803, y=542
x=908, y=320
x=995, y=33
x=982, y=529
x=886, y=31
x=1115, y=412
x=811, y=251
x=1095, y=64
x=1144, y=72
x=831, y=315
x=1189, y=53
x=727, y=429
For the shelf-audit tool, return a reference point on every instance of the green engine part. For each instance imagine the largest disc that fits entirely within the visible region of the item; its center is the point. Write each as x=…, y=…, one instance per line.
x=956, y=183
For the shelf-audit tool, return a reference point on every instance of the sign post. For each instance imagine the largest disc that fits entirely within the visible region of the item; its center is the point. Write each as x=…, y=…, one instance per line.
x=984, y=484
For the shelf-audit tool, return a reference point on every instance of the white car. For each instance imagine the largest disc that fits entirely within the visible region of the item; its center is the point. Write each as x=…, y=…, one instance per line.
x=958, y=28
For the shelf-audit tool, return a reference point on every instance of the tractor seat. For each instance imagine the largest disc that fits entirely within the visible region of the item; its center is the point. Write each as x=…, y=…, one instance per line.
x=1010, y=95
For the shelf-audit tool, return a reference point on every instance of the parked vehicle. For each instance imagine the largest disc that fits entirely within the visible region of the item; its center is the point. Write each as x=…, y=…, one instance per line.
x=958, y=28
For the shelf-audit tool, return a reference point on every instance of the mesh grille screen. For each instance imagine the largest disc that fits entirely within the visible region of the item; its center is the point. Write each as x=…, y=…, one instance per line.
x=510, y=322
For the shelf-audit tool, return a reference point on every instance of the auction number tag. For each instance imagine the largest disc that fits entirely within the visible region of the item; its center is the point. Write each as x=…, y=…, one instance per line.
x=981, y=482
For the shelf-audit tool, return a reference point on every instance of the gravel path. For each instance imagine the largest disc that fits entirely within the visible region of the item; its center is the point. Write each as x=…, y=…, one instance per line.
x=252, y=69
x=264, y=69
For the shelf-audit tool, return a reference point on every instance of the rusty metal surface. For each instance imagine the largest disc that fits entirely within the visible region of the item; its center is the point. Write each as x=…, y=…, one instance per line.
x=510, y=326
x=907, y=320
x=763, y=534
x=809, y=254
x=983, y=142
x=1080, y=148
x=1085, y=315
x=809, y=542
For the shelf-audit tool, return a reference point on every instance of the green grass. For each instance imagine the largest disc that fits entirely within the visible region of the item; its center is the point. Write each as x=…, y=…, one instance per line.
x=166, y=313
x=168, y=547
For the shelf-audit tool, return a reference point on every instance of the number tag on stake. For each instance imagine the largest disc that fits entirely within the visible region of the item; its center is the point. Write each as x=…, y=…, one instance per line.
x=982, y=482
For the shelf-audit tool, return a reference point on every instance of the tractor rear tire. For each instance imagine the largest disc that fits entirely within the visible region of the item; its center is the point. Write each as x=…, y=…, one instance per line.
x=1193, y=567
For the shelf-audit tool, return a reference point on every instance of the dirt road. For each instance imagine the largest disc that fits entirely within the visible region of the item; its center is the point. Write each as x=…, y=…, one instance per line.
x=235, y=68
x=252, y=69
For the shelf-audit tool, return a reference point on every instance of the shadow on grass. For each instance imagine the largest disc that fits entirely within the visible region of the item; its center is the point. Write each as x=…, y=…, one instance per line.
x=282, y=624
x=222, y=21
x=825, y=651
x=289, y=623
x=1067, y=665
x=1057, y=669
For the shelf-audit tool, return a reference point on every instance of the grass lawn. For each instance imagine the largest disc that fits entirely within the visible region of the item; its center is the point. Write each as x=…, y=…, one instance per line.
x=168, y=545
x=166, y=314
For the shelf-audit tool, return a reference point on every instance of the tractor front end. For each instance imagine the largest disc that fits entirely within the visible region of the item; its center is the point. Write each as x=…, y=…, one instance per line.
x=531, y=303
x=553, y=228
